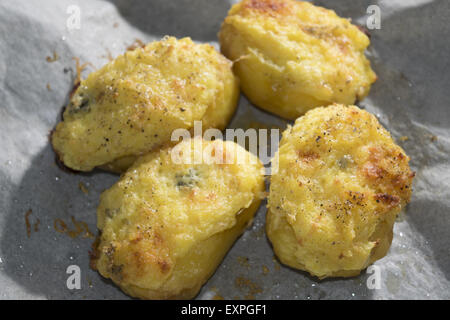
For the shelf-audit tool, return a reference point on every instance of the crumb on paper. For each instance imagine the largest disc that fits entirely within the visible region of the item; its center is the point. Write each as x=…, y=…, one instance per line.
x=243, y=261
x=27, y=222
x=81, y=228
x=115, y=25
x=83, y=188
x=433, y=138
x=54, y=58
x=249, y=286
x=79, y=69
x=48, y=87
x=59, y=225
x=136, y=44
x=265, y=270
x=404, y=138
x=36, y=225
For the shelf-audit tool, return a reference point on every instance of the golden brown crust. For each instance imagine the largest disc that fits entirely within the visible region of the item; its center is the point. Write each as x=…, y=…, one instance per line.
x=292, y=56
x=166, y=225
x=270, y=7
x=132, y=105
x=342, y=181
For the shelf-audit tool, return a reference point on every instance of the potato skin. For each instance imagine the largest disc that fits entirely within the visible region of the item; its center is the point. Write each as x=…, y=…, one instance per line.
x=292, y=56
x=165, y=227
x=341, y=182
x=131, y=105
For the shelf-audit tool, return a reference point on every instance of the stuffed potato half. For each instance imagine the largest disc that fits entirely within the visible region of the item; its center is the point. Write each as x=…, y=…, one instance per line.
x=292, y=56
x=132, y=105
x=166, y=226
x=340, y=184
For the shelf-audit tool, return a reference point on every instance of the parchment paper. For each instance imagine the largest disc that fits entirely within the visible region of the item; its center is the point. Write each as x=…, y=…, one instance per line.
x=411, y=98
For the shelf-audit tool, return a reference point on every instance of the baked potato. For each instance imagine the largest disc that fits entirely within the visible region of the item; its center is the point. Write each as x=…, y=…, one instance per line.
x=166, y=225
x=132, y=105
x=292, y=56
x=339, y=183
